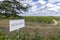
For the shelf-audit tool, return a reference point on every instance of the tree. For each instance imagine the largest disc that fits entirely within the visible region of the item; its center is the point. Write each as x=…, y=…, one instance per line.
x=11, y=8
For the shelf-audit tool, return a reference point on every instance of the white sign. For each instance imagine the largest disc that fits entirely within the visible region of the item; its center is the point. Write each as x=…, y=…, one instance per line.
x=16, y=24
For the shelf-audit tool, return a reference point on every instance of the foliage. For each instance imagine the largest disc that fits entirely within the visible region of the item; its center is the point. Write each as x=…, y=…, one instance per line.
x=26, y=36
x=39, y=19
x=3, y=17
x=53, y=37
x=11, y=7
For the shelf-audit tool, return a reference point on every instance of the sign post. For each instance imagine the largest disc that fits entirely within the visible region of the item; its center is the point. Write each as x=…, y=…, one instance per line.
x=15, y=25
x=11, y=25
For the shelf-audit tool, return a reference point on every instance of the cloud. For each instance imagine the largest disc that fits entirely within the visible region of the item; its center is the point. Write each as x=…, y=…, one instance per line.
x=58, y=4
x=42, y=2
x=34, y=8
x=1, y=0
x=43, y=7
x=53, y=7
x=26, y=1
x=32, y=3
x=53, y=1
x=50, y=5
x=37, y=5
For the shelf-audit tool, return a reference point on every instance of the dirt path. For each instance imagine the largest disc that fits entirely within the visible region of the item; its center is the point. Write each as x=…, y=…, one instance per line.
x=55, y=22
x=46, y=28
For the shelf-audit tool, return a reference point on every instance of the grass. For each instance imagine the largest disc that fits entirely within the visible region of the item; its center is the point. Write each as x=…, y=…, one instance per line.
x=35, y=29
x=27, y=36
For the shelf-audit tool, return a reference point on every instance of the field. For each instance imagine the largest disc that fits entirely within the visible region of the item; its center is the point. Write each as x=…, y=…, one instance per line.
x=36, y=28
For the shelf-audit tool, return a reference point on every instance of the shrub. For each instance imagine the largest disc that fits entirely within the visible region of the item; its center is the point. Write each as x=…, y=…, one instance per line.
x=3, y=17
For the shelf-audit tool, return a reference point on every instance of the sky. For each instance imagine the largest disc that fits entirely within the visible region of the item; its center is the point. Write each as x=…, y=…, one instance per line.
x=35, y=0
x=42, y=6
x=1, y=0
x=52, y=4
